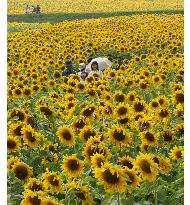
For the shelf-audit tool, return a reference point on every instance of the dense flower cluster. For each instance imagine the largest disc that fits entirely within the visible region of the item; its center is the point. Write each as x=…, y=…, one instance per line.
x=18, y=6
x=78, y=140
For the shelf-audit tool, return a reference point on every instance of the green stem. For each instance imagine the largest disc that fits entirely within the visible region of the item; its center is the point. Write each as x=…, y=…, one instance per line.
x=118, y=200
x=155, y=194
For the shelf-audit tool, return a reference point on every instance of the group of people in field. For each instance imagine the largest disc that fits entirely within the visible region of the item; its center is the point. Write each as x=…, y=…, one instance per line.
x=35, y=9
x=83, y=72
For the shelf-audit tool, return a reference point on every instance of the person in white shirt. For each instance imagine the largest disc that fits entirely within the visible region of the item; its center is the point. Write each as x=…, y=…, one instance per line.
x=95, y=69
x=27, y=9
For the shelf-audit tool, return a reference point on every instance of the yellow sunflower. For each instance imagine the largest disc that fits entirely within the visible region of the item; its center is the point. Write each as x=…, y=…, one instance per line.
x=121, y=110
x=32, y=198
x=66, y=135
x=118, y=136
x=177, y=152
x=126, y=161
x=149, y=137
x=11, y=161
x=34, y=185
x=31, y=138
x=22, y=171
x=52, y=182
x=98, y=160
x=146, y=167
x=111, y=177
x=13, y=144
x=72, y=166
x=87, y=132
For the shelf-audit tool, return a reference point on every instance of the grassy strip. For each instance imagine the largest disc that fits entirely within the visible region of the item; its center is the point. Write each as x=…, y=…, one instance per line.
x=58, y=17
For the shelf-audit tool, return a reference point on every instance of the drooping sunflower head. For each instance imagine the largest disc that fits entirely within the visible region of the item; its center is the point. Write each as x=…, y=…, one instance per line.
x=72, y=166
x=111, y=177
x=22, y=171
x=65, y=135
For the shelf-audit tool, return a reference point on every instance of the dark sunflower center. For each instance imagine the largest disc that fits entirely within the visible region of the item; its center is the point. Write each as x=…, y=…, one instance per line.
x=18, y=92
x=122, y=110
x=46, y=111
x=53, y=181
x=21, y=172
x=27, y=92
x=109, y=177
x=118, y=135
x=178, y=154
x=127, y=163
x=32, y=122
x=11, y=144
x=73, y=164
x=131, y=97
x=161, y=101
x=80, y=124
x=179, y=97
x=87, y=112
x=51, y=148
x=99, y=162
x=80, y=195
x=36, y=187
x=156, y=160
x=124, y=120
x=139, y=107
x=163, y=113
x=167, y=137
x=119, y=98
x=145, y=166
x=131, y=177
x=66, y=135
x=30, y=137
x=154, y=104
x=34, y=200
x=88, y=134
x=50, y=203
x=149, y=136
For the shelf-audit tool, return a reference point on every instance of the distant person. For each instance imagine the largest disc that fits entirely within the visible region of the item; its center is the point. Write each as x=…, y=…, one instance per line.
x=27, y=9
x=34, y=9
x=81, y=68
x=38, y=9
x=69, y=68
x=83, y=76
x=95, y=69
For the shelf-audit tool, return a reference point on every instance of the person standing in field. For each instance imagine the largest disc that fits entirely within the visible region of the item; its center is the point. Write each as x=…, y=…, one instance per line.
x=27, y=9
x=38, y=9
x=95, y=69
x=69, y=68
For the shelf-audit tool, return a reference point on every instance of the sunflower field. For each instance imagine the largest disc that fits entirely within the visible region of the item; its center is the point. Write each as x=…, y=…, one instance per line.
x=106, y=141
x=70, y=6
